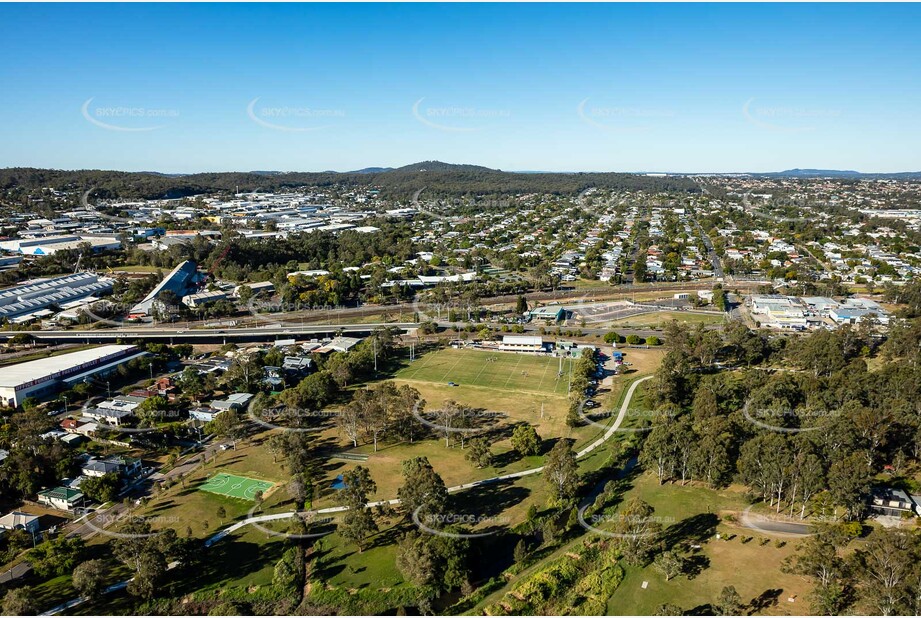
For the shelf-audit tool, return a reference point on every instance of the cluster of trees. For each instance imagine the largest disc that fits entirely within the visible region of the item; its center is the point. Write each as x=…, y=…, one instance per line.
x=720, y=300
x=358, y=522
x=391, y=245
x=614, y=337
x=340, y=369
x=561, y=473
x=289, y=572
x=637, y=530
x=102, y=488
x=804, y=440
x=583, y=372
x=33, y=462
x=147, y=185
x=432, y=562
x=691, y=352
x=146, y=553
x=58, y=556
x=880, y=577
x=909, y=294
x=143, y=551
x=380, y=413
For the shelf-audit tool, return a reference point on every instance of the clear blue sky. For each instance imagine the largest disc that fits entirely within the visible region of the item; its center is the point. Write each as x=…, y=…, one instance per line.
x=184, y=88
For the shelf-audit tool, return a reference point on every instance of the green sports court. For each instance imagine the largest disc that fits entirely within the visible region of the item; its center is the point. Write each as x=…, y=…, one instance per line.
x=234, y=486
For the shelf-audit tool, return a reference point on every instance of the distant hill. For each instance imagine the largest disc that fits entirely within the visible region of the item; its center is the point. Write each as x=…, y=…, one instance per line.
x=440, y=167
x=437, y=178
x=851, y=174
x=812, y=172
x=371, y=170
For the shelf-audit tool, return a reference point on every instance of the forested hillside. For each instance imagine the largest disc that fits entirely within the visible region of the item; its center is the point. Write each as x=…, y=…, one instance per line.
x=438, y=179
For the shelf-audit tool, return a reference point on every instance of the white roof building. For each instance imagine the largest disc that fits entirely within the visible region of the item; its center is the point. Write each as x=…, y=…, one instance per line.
x=18, y=520
x=203, y=298
x=43, y=377
x=521, y=343
x=36, y=295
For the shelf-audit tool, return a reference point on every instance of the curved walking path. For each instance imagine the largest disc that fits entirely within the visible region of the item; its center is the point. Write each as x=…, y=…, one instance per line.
x=495, y=479
x=338, y=509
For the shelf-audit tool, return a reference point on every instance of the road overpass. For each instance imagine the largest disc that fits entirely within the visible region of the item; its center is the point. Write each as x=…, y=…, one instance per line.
x=224, y=335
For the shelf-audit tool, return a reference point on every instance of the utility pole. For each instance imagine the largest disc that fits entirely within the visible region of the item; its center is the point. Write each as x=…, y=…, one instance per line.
x=374, y=346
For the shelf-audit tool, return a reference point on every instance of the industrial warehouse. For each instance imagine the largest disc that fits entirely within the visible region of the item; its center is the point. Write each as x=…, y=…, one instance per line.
x=23, y=302
x=182, y=281
x=46, y=376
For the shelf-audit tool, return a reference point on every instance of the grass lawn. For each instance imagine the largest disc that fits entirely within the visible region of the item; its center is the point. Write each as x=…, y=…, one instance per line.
x=450, y=463
x=506, y=503
x=546, y=412
x=52, y=592
x=496, y=370
x=642, y=361
x=184, y=505
x=659, y=319
x=244, y=559
x=754, y=569
x=240, y=566
x=136, y=268
x=374, y=567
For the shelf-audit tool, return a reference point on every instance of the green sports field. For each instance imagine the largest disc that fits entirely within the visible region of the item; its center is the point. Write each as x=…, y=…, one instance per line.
x=234, y=486
x=500, y=370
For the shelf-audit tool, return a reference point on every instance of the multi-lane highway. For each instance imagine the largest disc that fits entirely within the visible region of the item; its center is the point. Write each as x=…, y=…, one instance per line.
x=180, y=335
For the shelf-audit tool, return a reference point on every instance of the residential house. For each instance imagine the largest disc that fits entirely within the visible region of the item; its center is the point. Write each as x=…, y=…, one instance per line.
x=62, y=498
x=17, y=520
x=107, y=416
x=891, y=501
x=125, y=466
x=237, y=401
x=205, y=415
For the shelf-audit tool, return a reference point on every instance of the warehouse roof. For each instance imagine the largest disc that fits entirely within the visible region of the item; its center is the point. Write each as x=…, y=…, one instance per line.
x=17, y=375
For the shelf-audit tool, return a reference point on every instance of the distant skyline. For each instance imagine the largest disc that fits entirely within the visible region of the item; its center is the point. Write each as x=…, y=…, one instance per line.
x=586, y=87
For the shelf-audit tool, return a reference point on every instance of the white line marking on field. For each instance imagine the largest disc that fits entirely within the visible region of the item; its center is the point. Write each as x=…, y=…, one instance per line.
x=512, y=372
